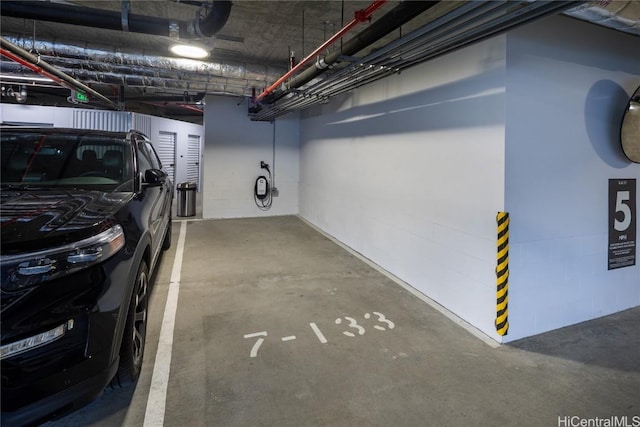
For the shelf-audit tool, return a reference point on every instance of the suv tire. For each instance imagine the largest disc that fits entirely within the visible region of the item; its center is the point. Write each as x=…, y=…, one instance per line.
x=135, y=331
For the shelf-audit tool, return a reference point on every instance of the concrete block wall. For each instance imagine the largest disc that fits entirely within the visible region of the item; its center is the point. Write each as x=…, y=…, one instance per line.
x=234, y=147
x=568, y=83
x=409, y=171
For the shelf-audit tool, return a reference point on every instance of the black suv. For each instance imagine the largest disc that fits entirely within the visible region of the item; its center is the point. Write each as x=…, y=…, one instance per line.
x=84, y=215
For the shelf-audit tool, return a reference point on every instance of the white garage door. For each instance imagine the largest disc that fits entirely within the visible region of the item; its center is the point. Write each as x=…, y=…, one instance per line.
x=167, y=152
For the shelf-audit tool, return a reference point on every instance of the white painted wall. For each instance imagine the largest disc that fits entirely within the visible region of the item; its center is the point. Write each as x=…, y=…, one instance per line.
x=232, y=153
x=409, y=171
x=18, y=113
x=568, y=83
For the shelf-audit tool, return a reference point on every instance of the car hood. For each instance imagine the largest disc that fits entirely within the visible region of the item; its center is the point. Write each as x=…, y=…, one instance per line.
x=37, y=219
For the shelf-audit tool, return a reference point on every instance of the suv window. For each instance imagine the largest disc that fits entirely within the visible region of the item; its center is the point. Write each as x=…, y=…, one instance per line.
x=147, y=156
x=154, y=156
x=80, y=160
x=144, y=162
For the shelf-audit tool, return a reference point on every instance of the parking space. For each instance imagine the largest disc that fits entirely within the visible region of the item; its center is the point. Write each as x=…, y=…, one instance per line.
x=278, y=325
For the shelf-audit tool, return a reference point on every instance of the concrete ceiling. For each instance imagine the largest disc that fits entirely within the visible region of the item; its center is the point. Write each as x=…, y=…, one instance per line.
x=255, y=41
x=256, y=31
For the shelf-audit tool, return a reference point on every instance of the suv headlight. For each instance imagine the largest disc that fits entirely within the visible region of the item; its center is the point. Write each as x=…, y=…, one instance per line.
x=29, y=269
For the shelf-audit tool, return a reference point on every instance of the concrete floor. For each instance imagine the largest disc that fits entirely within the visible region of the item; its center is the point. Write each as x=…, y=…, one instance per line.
x=404, y=364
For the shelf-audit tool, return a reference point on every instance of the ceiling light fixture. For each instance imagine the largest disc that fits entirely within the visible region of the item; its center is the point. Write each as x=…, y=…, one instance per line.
x=189, y=51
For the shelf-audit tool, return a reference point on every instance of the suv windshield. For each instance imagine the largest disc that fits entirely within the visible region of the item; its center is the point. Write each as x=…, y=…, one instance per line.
x=41, y=159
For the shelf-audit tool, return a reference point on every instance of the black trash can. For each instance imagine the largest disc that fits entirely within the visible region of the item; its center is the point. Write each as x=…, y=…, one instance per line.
x=187, y=198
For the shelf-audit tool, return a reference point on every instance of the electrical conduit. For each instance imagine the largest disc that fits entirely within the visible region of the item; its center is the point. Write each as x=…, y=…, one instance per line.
x=360, y=16
x=398, y=16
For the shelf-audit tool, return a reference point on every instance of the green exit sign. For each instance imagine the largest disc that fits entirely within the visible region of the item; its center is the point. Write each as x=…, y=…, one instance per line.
x=81, y=97
x=78, y=97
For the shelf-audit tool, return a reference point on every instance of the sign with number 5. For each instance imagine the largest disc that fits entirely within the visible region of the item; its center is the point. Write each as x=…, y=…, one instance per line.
x=622, y=223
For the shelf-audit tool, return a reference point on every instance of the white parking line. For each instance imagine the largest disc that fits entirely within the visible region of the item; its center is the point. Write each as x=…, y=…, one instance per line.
x=154, y=414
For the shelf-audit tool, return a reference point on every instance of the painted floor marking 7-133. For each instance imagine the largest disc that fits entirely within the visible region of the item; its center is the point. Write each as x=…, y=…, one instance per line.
x=354, y=329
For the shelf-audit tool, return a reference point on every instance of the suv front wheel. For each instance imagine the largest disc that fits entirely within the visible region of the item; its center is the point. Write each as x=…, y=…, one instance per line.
x=135, y=331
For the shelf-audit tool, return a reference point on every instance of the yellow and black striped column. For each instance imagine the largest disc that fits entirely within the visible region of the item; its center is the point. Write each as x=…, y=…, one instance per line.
x=502, y=273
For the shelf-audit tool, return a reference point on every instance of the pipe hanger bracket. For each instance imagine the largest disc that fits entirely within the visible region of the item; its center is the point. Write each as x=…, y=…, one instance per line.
x=124, y=16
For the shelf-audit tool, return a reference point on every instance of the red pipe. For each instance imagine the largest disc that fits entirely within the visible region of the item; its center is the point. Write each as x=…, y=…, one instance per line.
x=35, y=64
x=35, y=68
x=359, y=16
x=190, y=107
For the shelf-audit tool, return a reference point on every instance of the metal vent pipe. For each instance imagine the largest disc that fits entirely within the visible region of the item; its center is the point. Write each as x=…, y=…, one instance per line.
x=111, y=20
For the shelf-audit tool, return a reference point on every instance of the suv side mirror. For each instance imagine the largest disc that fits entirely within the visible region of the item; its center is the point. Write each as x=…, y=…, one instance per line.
x=154, y=178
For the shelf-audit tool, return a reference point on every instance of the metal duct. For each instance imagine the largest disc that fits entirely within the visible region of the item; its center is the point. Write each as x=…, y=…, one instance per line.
x=214, y=21
x=35, y=63
x=178, y=74
x=111, y=20
x=620, y=15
